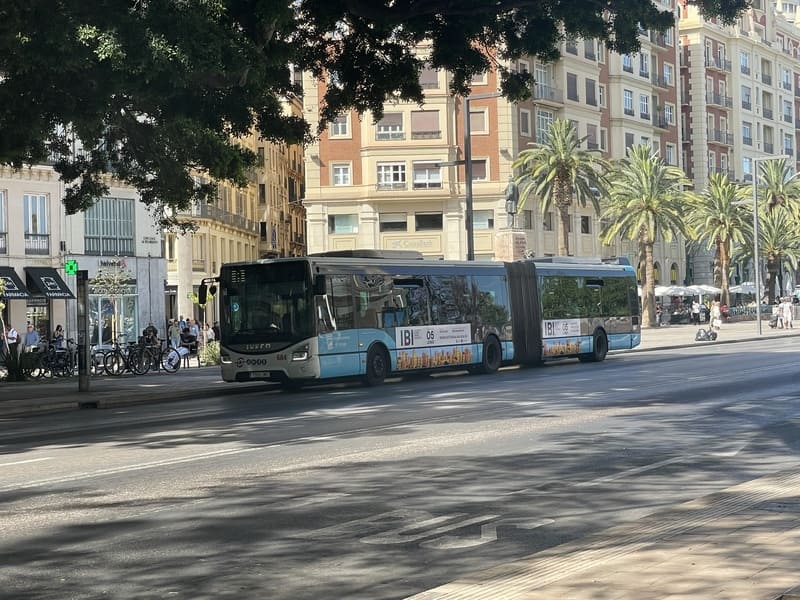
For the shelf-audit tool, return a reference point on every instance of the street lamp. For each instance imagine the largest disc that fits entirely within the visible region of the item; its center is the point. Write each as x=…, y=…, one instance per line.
x=468, y=170
x=755, y=233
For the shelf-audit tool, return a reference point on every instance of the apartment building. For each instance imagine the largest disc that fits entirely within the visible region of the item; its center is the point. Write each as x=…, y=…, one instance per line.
x=392, y=183
x=37, y=238
x=741, y=97
x=263, y=219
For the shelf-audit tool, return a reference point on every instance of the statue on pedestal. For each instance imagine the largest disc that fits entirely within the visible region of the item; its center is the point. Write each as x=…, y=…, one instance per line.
x=512, y=200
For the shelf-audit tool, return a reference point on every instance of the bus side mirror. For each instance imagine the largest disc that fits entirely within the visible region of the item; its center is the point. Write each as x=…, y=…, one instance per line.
x=202, y=294
x=320, y=286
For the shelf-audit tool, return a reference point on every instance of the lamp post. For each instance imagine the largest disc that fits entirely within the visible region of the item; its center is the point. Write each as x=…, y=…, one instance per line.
x=468, y=170
x=755, y=233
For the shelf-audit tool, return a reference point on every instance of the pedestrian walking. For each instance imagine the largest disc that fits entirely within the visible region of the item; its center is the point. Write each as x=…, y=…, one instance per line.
x=174, y=333
x=788, y=314
x=716, y=315
x=695, y=312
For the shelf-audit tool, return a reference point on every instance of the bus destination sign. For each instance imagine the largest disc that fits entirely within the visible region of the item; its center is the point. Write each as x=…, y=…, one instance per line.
x=433, y=335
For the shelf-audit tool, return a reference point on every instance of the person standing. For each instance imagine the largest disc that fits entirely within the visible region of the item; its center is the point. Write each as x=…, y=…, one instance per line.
x=788, y=314
x=716, y=315
x=174, y=333
x=695, y=312
x=31, y=338
x=58, y=338
x=11, y=337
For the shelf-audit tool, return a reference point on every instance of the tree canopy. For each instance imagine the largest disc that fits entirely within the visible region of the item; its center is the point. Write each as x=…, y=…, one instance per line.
x=156, y=90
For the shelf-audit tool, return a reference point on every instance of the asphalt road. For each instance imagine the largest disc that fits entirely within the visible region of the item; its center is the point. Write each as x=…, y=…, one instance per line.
x=352, y=492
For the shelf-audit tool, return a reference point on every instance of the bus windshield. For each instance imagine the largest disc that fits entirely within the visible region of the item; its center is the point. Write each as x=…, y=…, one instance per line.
x=265, y=303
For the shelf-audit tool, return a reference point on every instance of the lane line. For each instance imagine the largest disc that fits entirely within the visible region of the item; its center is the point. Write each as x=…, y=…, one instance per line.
x=25, y=462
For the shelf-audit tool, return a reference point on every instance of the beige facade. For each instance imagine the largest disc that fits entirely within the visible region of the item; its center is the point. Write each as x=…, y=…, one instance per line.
x=741, y=96
x=387, y=184
x=35, y=233
x=263, y=219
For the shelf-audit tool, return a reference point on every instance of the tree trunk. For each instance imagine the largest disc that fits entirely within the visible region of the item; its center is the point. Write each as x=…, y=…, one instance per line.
x=563, y=193
x=649, y=289
x=725, y=262
x=772, y=273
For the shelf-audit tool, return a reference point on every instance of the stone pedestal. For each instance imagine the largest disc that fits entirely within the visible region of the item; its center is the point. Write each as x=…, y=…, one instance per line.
x=510, y=245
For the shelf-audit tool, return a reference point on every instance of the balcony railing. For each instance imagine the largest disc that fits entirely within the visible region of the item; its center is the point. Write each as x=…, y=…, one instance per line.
x=426, y=135
x=198, y=265
x=769, y=148
x=747, y=140
x=627, y=68
x=723, y=137
x=787, y=118
x=660, y=120
x=106, y=246
x=747, y=105
x=592, y=145
x=209, y=211
x=3, y=243
x=391, y=185
x=645, y=116
x=718, y=63
x=787, y=85
x=788, y=150
x=766, y=78
x=745, y=69
x=390, y=135
x=629, y=112
x=660, y=81
x=37, y=243
x=719, y=99
x=547, y=93
x=768, y=114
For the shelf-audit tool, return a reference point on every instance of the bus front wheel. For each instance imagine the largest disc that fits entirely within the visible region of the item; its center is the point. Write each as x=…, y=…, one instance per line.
x=378, y=365
x=599, y=348
x=492, y=356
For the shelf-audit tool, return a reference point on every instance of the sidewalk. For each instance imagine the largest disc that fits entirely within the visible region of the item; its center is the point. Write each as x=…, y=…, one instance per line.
x=48, y=395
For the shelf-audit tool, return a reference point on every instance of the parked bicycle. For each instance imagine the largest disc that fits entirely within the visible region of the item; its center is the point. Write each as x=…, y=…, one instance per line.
x=164, y=356
x=130, y=357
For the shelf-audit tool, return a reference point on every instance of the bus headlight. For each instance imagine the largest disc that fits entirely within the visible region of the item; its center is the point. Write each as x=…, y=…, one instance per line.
x=301, y=353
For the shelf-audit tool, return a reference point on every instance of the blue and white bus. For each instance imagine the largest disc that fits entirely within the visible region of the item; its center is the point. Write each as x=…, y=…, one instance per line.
x=372, y=314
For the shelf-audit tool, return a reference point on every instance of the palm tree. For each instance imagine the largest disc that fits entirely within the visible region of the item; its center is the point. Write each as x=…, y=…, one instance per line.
x=558, y=170
x=779, y=188
x=720, y=218
x=647, y=199
x=778, y=241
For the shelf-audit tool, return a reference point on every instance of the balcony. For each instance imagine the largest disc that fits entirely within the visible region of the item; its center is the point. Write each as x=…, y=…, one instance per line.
x=788, y=150
x=660, y=120
x=747, y=105
x=787, y=85
x=787, y=118
x=769, y=148
x=645, y=116
x=644, y=74
x=108, y=246
x=571, y=47
x=3, y=243
x=390, y=185
x=717, y=63
x=629, y=112
x=745, y=69
x=426, y=135
x=721, y=137
x=383, y=136
x=37, y=243
x=768, y=114
x=659, y=39
x=628, y=68
x=546, y=93
x=766, y=78
x=747, y=140
x=591, y=145
x=719, y=99
x=198, y=265
x=660, y=81
x=214, y=213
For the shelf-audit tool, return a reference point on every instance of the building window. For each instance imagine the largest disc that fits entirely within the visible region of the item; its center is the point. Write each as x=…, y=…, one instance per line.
x=425, y=125
x=669, y=114
x=591, y=137
x=644, y=106
x=391, y=176
x=627, y=102
x=109, y=227
x=429, y=78
x=669, y=154
x=628, y=140
x=572, y=87
x=523, y=66
x=669, y=73
x=393, y=222
x=3, y=212
x=744, y=62
x=747, y=133
x=478, y=120
x=483, y=220
x=586, y=224
x=342, y=224
x=525, y=122
x=571, y=47
x=603, y=139
x=547, y=221
x=588, y=49
x=479, y=169
x=339, y=127
x=746, y=98
x=35, y=213
x=390, y=127
x=627, y=63
x=544, y=120
x=590, y=96
x=341, y=174
x=644, y=65
x=601, y=95
x=427, y=175
x=525, y=219
x=428, y=222
x=479, y=79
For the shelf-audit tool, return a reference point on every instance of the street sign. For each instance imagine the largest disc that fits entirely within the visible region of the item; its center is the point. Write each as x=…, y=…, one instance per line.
x=71, y=267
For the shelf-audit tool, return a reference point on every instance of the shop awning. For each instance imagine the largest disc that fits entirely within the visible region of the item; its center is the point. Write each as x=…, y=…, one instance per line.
x=15, y=289
x=47, y=282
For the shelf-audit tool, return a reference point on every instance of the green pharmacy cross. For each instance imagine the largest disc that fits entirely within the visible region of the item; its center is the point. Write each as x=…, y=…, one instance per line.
x=71, y=267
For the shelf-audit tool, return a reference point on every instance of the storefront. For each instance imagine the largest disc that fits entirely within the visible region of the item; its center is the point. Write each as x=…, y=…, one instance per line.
x=15, y=293
x=113, y=317
x=46, y=286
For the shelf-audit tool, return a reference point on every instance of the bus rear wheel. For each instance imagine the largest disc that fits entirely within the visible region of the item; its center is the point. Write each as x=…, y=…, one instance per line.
x=378, y=366
x=599, y=348
x=492, y=356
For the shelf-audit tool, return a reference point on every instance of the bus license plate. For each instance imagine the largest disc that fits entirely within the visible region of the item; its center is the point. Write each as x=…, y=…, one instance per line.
x=259, y=373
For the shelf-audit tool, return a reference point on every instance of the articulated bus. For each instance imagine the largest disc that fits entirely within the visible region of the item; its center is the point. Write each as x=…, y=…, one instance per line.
x=373, y=314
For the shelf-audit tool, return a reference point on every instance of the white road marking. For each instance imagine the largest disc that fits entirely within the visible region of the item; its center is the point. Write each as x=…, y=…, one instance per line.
x=634, y=471
x=24, y=462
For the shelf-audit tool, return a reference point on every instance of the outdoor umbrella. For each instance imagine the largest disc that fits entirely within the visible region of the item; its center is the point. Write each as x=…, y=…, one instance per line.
x=673, y=290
